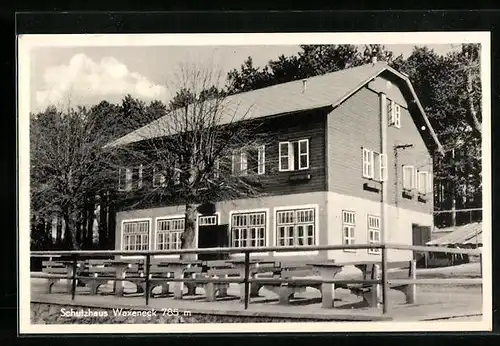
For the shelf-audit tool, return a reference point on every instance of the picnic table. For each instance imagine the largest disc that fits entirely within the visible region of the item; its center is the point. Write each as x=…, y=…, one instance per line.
x=59, y=267
x=102, y=271
x=257, y=268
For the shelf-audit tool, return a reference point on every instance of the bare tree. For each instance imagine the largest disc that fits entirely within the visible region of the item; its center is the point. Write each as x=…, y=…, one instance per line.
x=206, y=148
x=68, y=167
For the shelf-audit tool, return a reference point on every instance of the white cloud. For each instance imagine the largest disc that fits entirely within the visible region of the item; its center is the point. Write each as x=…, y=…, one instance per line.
x=84, y=81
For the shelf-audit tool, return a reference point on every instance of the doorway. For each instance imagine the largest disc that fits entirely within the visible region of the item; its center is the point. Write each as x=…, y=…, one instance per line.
x=421, y=236
x=211, y=235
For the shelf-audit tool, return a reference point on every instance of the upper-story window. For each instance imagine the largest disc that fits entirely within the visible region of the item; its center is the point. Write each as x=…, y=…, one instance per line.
x=394, y=112
x=294, y=155
x=409, y=182
x=249, y=161
x=374, y=165
x=128, y=176
x=424, y=182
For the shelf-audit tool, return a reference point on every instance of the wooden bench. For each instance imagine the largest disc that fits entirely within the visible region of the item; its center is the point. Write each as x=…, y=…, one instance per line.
x=286, y=291
x=372, y=294
x=60, y=268
x=102, y=271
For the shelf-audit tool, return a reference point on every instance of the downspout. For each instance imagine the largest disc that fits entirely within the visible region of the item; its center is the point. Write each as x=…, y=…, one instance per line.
x=383, y=148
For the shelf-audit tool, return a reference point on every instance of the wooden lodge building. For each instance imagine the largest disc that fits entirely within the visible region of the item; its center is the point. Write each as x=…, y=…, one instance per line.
x=353, y=154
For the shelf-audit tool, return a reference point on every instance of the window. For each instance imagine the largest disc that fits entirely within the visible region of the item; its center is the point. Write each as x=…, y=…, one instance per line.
x=135, y=235
x=367, y=163
x=125, y=179
x=408, y=177
x=159, y=178
x=374, y=165
x=373, y=232
x=250, y=161
x=294, y=155
x=295, y=227
x=424, y=182
x=248, y=229
x=207, y=220
x=394, y=111
x=168, y=233
x=348, y=228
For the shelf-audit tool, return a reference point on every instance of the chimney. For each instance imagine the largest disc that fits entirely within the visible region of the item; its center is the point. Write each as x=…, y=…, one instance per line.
x=374, y=60
x=304, y=85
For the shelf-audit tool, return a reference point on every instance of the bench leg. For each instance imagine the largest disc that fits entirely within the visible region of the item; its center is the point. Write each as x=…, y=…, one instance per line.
x=210, y=291
x=284, y=295
x=327, y=295
x=223, y=290
x=376, y=289
x=254, y=290
x=178, y=289
x=50, y=283
x=411, y=290
x=191, y=289
x=164, y=288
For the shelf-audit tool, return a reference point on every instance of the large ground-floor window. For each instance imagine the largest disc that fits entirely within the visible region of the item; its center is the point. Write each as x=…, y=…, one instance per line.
x=296, y=227
x=248, y=229
x=168, y=233
x=135, y=235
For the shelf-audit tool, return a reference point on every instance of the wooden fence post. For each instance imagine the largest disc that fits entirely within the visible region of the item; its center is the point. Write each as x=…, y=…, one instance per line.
x=385, y=283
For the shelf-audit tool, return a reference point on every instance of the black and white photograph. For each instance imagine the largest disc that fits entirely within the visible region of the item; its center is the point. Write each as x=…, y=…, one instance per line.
x=208, y=183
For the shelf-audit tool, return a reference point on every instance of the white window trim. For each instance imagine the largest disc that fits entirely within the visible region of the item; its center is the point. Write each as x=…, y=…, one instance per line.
x=122, y=236
x=383, y=169
x=370, y=174
x=267, y=238
x=347, y=224
x=128, y=186
x=316, y=229
x=397, y=115
x=243, y=163
x=299, y=154
x=413, y=176
x=155, y=173
x=373, y=251
x=140, y=180
x=261, y=160
x=166, y=217
x=289, y=157
x=427, y=181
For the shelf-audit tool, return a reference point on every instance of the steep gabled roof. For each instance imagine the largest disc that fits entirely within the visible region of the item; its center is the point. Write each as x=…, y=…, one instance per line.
x=330, y=89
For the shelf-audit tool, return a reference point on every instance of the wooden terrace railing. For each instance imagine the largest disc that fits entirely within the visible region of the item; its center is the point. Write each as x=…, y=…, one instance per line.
x=247, y=280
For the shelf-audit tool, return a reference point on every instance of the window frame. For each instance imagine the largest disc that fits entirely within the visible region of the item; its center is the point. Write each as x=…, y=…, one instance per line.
x=155, y=239
x=351, y=226
x=261, y=160
x=374, y=229
x=296, y=224
x=288, y=156
x=123, y=236
x=406, y=175
x=300, y=154
x=248, y=227
x=427, y=181
x=129, y=174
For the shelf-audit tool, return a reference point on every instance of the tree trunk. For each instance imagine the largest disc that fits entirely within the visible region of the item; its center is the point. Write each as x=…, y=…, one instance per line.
x=90, y=223
x=112, y=221
x=70, y=233
x=188, y=236
x=59, y=231
x=476, y=125
x=103, y=222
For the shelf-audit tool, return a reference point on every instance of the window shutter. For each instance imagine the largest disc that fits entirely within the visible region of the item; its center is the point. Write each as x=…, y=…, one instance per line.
x=383, y=167
x=139, y=178
x=284, y=159
x=303, y=149
x=390, y=112
x=367, y=156
x=291, y=156
x=262, y=160
x=430, y=184
x=397, y=116
x=243, y=163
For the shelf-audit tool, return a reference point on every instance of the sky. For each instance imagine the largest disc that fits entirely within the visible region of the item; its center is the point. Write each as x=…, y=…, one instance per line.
x=65, y=76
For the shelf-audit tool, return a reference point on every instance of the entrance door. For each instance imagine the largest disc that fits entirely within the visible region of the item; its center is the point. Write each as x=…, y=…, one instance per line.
x=421, y=235
x=211, y=235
